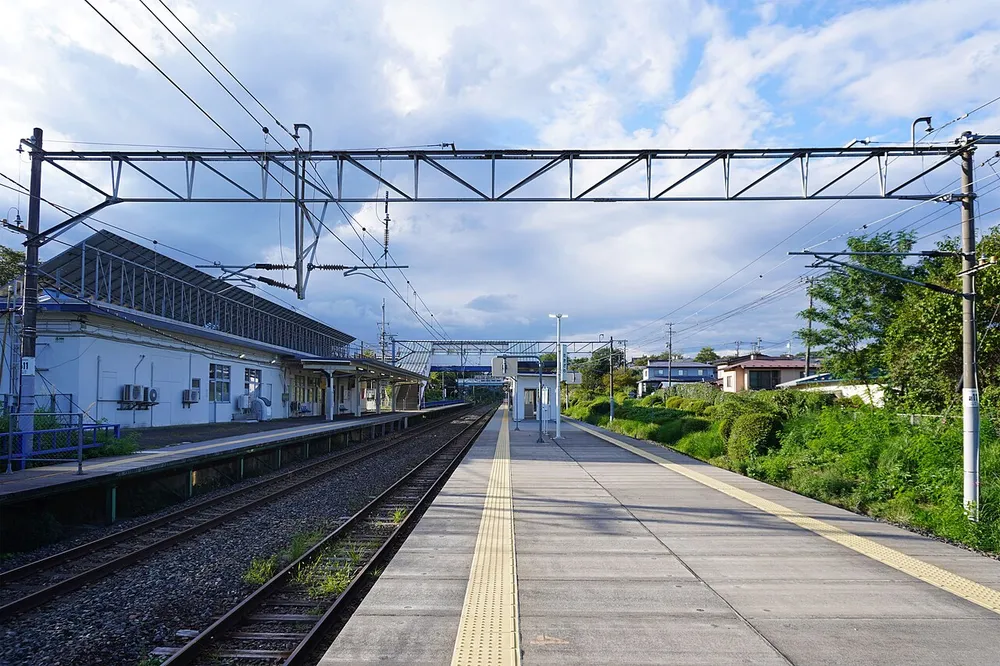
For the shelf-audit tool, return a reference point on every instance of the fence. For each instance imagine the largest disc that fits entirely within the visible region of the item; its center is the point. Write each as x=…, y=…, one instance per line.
x=67, y=436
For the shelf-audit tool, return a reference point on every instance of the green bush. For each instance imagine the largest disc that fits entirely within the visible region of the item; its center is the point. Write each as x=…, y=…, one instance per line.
x=674, y=402
x=694, y=424
x=752, y=435
x=725, y=428
x=709, y=412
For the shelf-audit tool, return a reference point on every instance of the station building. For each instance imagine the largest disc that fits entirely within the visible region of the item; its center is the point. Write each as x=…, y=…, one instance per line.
x=127, y=335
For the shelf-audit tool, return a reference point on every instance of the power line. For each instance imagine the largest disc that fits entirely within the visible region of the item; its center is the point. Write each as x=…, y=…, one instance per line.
x=166, y=76
x=228, y=71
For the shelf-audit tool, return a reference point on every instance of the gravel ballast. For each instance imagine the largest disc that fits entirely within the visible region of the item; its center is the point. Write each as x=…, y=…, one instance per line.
x=119, y=619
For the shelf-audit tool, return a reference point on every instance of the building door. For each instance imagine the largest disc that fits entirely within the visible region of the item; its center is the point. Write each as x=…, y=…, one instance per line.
x=530, y=397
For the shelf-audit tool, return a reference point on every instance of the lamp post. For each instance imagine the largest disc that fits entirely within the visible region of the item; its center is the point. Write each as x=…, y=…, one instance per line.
x=559, y=372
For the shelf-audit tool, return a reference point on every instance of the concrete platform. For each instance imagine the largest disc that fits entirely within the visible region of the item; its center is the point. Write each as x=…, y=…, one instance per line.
x=623, y=560
x=59, y=478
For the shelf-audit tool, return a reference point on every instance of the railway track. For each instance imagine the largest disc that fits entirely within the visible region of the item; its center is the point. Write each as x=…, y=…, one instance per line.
x=284, y=620
x=35, y=583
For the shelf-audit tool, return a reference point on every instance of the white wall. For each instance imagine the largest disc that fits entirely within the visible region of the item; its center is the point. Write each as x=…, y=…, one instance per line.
x=528, y=382
x=92, y=361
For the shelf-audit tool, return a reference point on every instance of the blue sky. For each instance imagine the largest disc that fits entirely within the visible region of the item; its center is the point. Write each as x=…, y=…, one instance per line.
x=573, y=74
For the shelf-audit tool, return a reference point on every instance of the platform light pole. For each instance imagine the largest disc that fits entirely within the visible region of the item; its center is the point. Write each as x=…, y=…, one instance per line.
x=559, y=372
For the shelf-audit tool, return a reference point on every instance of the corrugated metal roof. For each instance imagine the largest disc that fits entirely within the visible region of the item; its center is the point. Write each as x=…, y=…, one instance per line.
x=66, y=269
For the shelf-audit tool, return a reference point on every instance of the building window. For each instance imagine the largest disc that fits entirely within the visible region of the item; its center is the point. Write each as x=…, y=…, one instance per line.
x=659, y=373
x=701, y=373
x=729, y=381
x=251, y=382
x=218, y=383
x=764, y=379
x=680, y=373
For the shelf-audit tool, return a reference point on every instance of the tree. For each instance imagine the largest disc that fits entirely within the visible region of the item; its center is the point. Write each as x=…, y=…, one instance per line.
x=923, y=345
x=548, y=357
x=11, y=264
x=853, y=309
x=706, y=355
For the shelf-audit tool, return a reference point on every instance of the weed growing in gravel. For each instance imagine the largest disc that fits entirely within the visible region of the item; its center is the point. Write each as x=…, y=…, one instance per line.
x=356, y=554
x=332, y=582
x=398, y=515
x=261, y=570
x=301, y=542
x=150, y=661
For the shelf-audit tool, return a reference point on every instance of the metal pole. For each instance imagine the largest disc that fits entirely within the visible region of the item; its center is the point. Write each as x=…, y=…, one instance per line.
x=559, y=376
x=538, y=404
x=670, y=358
x=299, y=227
x=29, y=318
x=809, y=327
x=79, y=446
x=970, y=371
x=611, y=378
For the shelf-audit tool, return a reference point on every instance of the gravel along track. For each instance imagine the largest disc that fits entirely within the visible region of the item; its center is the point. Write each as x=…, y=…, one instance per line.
x=119, y=619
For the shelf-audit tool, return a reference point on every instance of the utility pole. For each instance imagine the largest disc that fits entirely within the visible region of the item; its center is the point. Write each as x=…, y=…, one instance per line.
x=970, y=370
x=737, y=348
x=381, y=335
x=611, y=378
x=670, y=356
x=809, y=327
x=29, y=317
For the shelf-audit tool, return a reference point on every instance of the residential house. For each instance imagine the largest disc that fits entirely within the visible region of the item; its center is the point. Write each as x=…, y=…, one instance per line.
x=757, y=371
x=665, y=373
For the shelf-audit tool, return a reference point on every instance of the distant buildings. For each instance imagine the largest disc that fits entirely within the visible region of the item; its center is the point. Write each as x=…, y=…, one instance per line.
x=659, y=374
x=757, y=371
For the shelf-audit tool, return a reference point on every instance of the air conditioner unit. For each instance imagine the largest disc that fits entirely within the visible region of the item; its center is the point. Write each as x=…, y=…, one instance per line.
x=191, y=395
x=127, y=393
x=244, y=401
x=151, y=395
x=138, y=392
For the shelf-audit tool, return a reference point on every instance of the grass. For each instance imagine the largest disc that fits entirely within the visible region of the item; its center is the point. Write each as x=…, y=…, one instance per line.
x=151, y=661
x=262, y=569
x=866, y=460
x=398, y=515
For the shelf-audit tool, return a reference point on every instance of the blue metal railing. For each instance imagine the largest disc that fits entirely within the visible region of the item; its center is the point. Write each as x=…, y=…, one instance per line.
x=41, y=445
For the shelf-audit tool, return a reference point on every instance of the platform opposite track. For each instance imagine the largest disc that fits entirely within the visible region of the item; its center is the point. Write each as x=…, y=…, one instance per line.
x=629, y=553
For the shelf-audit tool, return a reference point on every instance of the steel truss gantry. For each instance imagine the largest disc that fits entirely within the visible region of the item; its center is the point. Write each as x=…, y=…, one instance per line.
x=416, y=354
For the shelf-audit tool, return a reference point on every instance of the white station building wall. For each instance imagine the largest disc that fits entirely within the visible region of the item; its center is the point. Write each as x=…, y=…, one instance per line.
x=93, y=360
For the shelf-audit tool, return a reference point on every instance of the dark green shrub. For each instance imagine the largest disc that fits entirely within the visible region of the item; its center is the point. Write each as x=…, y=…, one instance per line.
x=694, y=424
x=754, y=433
x=725, y=428
x=709, y=412
x=674, y=402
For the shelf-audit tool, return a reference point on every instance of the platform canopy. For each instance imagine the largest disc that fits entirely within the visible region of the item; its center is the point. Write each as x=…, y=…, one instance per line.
x=364, y=368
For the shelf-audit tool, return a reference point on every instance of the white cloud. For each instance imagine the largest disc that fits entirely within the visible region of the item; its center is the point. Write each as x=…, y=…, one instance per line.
x=526, y=73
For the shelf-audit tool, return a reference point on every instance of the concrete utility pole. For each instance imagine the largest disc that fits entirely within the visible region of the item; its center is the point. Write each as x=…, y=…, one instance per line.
x=611, y=378
x=809, y=326
x=29, y=317
x=970, y=370
x=670, y=355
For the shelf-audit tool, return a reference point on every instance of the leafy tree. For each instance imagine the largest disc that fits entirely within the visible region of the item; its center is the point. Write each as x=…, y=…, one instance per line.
x=923, y=346
x=11, y=264
x=550, y=356
x=853, y=309
x=706, y=355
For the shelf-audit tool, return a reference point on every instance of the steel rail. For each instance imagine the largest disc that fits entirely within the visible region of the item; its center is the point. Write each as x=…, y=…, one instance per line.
x=315, y=471
x=244, y=613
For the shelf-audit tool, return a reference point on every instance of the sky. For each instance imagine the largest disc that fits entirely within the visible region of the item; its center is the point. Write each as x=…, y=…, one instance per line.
x=516, y=74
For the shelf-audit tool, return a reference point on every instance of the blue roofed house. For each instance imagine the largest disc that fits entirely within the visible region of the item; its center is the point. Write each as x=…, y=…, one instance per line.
x=665, y=373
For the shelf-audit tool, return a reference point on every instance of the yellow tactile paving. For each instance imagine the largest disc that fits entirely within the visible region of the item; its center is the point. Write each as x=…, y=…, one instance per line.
x=962, y=587
x=488, y=631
